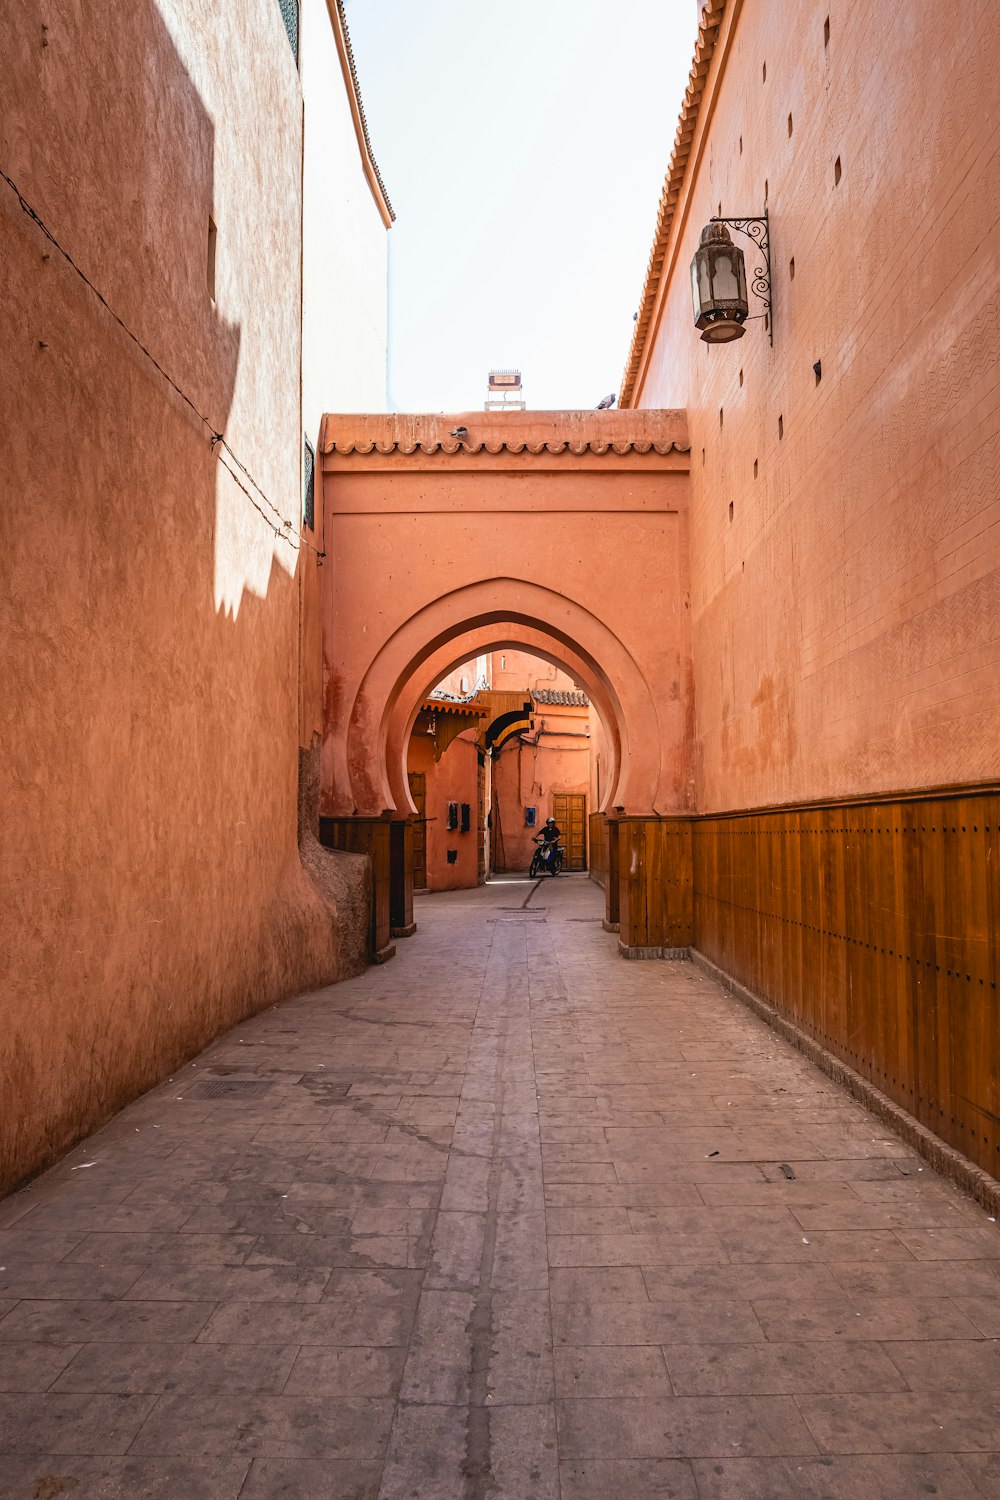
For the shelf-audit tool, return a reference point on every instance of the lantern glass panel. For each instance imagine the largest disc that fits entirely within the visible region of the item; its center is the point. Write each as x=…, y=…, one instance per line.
x=725, y=281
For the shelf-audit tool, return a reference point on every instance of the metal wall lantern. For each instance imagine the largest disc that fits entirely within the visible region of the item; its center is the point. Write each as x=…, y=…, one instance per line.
x=719, y=280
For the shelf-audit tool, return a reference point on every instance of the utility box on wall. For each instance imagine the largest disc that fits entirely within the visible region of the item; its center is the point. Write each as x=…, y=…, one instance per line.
x=529, y=817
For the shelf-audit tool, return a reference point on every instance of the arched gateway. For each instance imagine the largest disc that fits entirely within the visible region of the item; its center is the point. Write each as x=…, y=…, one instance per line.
x=560, y=532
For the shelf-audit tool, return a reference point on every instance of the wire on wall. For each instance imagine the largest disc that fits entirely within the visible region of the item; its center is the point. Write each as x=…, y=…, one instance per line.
x=218, y=439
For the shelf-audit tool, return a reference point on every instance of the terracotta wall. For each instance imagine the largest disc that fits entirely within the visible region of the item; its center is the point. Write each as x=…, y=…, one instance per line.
x=432, y=541
x=150, y=885
x=453, y=778
x=845, y=530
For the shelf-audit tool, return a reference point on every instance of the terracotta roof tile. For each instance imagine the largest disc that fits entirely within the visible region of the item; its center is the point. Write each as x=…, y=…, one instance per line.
x=566, y=699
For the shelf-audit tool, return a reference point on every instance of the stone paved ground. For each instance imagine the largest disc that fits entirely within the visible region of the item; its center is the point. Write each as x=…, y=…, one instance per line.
x=504, y=1218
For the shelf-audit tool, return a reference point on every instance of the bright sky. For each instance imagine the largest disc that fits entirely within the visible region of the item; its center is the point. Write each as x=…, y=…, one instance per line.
x=523, y=144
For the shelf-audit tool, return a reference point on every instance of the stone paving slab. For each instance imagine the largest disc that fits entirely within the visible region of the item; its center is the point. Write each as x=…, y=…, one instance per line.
x=504, y=1218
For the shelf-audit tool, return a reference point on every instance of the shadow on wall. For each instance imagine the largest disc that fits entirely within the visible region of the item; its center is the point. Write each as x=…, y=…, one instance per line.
x=150, y=878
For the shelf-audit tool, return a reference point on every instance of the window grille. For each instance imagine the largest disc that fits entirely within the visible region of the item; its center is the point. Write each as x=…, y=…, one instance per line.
x=290, y=15
x=309, y=486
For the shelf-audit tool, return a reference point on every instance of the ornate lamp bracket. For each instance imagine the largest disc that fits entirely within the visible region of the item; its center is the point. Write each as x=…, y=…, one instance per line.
x=756, y=229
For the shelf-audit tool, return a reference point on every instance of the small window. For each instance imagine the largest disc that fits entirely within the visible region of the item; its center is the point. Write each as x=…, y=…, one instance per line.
x=213, y=235
x=309, y=485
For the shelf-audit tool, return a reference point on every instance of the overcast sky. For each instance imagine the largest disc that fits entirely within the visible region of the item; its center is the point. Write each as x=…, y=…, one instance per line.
x=523, y=144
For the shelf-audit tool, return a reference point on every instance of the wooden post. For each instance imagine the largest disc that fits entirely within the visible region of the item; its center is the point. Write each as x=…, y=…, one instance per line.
x=401, y=923
x=611, y=889
x=369, y=836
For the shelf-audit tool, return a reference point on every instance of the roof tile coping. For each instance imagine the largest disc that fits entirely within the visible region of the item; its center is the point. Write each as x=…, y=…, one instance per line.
x=709, y=24
x=342, y=34
x=562, y=696
x=516, y=432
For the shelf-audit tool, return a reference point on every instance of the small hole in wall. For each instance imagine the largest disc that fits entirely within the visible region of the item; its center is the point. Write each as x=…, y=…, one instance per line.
x=836, y=172
x=818, y=370
x=763, y=73
x=791, y=269
x=720, y=416
x=790, y=126
x=703, y=455
x=719, y=211
x=781, y=428
x=741, y=145
x=765, y=189
x=741, y=377
x=730, y=510
x=755, y=468
x=826, y=32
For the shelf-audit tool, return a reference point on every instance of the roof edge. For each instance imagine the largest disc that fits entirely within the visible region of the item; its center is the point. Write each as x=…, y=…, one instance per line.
x=342, y=36
x=709, y=26
x=451, y=447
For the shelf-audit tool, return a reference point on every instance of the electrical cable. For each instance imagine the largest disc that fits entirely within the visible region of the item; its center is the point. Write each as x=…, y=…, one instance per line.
x=284, y=531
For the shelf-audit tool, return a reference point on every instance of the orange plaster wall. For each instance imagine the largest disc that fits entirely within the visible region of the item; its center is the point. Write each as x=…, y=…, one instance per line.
x=846, y=620
x=150, y=885
x=412, y=525
x=454, y=778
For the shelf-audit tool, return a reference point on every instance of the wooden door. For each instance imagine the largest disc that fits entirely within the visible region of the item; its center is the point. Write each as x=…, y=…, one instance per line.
x=570, y=812
x=418, y=791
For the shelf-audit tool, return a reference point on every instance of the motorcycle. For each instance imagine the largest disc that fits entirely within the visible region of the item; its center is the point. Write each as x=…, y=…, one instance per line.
x=547, y=858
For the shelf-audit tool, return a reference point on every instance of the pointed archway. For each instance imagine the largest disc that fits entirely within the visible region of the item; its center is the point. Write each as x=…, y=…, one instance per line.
x=562, y=532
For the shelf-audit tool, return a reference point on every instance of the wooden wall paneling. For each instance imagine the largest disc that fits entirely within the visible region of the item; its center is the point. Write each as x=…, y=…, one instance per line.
x=612, y=891
x=598, y=838
x=401, y=923
x=875, y=926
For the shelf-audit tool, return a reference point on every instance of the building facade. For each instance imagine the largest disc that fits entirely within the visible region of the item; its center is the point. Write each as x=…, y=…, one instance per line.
x=845, y=533
x=151, y=554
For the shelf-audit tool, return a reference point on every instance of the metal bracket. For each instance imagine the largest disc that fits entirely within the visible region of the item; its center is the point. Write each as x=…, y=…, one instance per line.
x=756, y=229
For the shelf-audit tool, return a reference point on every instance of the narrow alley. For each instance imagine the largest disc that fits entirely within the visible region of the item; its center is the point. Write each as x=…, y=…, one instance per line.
x=505, y=1217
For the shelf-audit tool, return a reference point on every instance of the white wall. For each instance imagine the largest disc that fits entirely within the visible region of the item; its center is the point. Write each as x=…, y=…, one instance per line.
x=345, y=243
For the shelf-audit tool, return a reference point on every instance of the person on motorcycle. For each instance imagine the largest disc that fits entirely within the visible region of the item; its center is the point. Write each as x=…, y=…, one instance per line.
x=548, y=839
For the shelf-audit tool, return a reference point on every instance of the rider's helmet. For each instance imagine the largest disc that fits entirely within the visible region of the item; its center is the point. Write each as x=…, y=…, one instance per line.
x=551, y=820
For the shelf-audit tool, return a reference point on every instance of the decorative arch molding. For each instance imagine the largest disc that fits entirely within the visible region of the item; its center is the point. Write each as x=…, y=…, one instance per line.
x=357, y=748
x=476, y=643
